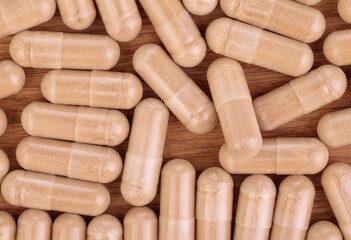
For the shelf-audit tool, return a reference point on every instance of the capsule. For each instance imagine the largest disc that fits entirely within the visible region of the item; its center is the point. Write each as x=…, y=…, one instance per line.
x=233, y=104
x=214, y=204
x=324, y=230
x=69, y=227
x=80, y=124
x=308, y=2
x=177, y=201
x=4, y=165
x=300, y=96
x=200, y=7
x=121, y=18
x=254, y=212
x=12, y=78
x=344, y=9
x=140, y=223
x=92, y=88
x=104, y=227
x=336, y=47
x=50, y=192
x=56, y=50
x=3, y=122
x=143, y=160
x=70, y=159
x=293, y=208
x=251, y=44
x=336, y=180
x=7, y=226
x=177, y=31
x=281, y=156
x=34, y=224
x=181, y=95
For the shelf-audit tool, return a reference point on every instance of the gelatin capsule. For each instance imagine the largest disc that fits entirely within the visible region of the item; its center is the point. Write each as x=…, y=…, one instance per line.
x=69, y=227
x=34, y=224
x=293, y=208
x=7, y=226
x=3, y=122
x=92, y=88
x=284, y=17
x=281, y=156
x=308, y=2
x=200, y=7
x=143, y=160
x=140, y=223
x=300, y=96
x=121, y=18
x=214, y=204
x=4, y=165
x=104, y=227
x=177, y=201
x=80, y=124
x=324, y=230
x=39, y=49
x=181, y=95
x=251, y=44
x=255, y=208
x=12, y=78
x=19, y=15
x=344, y=9
x=50, y=192
x=70, y=159
x=177, y=31
x=233, y=104
x=336, y=47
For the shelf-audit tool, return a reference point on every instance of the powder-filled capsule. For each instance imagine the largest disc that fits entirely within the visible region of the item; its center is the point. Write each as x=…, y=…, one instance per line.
x=34, y=224
x=293, y=209
x=344, y=9
x=3, y=122
x=50, y=192
x=180, y=93
x=255, y=208
x=104, y=227
x=70, y=159
x=80, y=124
x=336, y=47
x=300, y=96
x=7, y=226
x=69, y=227
x=251, y=44
x=12, y=78
x=92, y=88
x=324, y=230
x=140, y=223
x=143, y=160
x=232, y=99
x=200, y=7
x=308, y=2
x=177, y=201
x=282, y=156
x=214, y=204
x=177, y=31
x=121, y=18
x=4, y=165
x=56, y=50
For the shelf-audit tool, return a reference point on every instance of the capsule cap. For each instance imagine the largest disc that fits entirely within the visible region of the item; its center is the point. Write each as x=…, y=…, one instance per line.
x=139, y=214
x=11, y=185
x=335, y=79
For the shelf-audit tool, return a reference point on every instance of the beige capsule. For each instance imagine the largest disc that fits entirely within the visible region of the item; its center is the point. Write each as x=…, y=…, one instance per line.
x=336, y=47
x=293, y=208
x=177, y=202
x=104, y=227
x=344, y=9
x=69, y=227
x=4, y=165
x=80, y=124
x=92, y=88
x=251, y=44
x=12, y=78
x=308, y=2
x=3, y=122
x=181, y=95
x=300, y=96
x=177, y=31
x=56, y=50
x=233, y=103
x=324, y=230
x=50, y=192
x=140, y=223
x=70, y=159
x=255, y=208
x=214, y=204
x=7, y=226
x=282, y=156
x=34, y=224
x=143, y=160
x=200, y=7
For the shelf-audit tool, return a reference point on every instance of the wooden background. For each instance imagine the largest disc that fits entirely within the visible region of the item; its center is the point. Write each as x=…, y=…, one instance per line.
x=200, y=150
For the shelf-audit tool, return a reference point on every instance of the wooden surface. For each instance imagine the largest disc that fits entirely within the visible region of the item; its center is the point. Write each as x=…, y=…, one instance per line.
x=200, y=150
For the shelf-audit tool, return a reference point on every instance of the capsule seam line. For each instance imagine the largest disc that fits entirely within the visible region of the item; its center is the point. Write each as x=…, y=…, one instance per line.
x=270, y=15
x=70, y=160
x=91, y=87
x=298, y=97
x=60, y=52
x=325, y=83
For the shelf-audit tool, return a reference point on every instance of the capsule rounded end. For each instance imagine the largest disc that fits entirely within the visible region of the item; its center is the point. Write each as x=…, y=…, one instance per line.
x=80, y=21
x=3, y=122
x=112, y=167
x=137, y=195
x=335, y=80
x=324, y=230
x=317, y=29
x=248, y=146
x=190, y=55
x=4, y=165
x=326, y=132
x=35, y=215
x=318, y=156
x=124, y=30
x=204, y=121
x=13, y=75
x=230, y=7
x=111, y=54
x=217, y=34
x=135, y=91
x=144, y=53
x=178, y=167
x=48, y=86
x=7, y=223
x=335, y=172
x=44, y=9
x=225, y=159
x=20, y=48
x=153, y=105
x=27, y=116
x=200, y=7
x=105, y=224
x=10, y=187
x=139, y=214
x=22, y=155
x=69, y=220
x=118, y=128
x=344, y=9
x=102, y=200
x=297, y=185
x=215, y=179
x=258, y=185
x=332, y=50
x=306, y=62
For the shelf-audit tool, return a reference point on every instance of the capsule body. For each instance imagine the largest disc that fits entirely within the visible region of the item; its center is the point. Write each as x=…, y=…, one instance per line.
x=233, y=103
x=344, y=9
x=34, y=224
x=282, y=156
x=180, y=94
x=300, y=96
x=56, y=50
x=3, y=122
x=324, y=230
x=336, y=47
x=214, y=204
x=140, y=223
x=7, y=226
x=254, y=212
x=4, y=165
x=12, y=78
x=104, y=227
x=177, y=201
x=177, y=31
x=69, y=227
x=200, y=7
x=80, y=124
x=50, y=192
x=293, y=208
x=308, y=2
x=251, y=44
